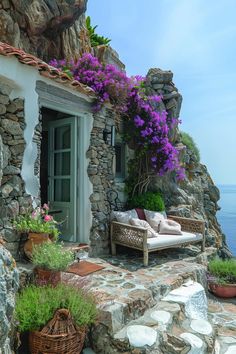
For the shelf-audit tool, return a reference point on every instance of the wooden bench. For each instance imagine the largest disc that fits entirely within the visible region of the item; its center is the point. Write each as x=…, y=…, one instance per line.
x=136, y=237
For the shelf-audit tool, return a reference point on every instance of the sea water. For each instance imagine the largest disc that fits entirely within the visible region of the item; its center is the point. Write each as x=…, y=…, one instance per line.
x=227, y=215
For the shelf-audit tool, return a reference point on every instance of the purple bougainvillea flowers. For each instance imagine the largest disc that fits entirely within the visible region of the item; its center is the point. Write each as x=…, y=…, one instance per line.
x=149, y=127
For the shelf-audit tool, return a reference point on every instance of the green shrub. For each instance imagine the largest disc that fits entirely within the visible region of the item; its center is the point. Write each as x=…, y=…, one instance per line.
x=191, y=145
x=51, y=255
x=149, y=200
x=35, y=306
x=95, y=39
x=224, y=271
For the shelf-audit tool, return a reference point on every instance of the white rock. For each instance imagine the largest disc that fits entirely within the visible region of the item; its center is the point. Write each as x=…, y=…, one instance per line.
x=231, y=350
x=201, y=326
x=196, y=343
x=193, y=296
x=139, y=336
x=160, y=316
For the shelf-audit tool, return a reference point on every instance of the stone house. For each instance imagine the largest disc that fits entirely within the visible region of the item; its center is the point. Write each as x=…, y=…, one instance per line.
x=54, y=149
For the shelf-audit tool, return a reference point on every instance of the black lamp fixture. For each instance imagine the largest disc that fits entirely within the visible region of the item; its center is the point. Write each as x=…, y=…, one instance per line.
x=111, y=132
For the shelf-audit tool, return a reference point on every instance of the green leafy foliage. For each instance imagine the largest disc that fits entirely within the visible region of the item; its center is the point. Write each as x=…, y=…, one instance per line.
x=149, y=200
x=223, y=270
x=52, y=256
x=95, y=39
x=35, y=306
x=188, y=141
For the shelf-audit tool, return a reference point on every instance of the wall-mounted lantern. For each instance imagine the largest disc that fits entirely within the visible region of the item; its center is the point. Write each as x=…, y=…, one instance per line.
x=107, y=132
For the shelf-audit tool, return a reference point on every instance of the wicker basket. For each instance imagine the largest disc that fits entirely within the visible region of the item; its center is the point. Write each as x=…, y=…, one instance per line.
x=59, y=336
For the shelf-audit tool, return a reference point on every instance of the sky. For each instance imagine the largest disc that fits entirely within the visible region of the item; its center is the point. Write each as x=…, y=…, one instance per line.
x=196, y=40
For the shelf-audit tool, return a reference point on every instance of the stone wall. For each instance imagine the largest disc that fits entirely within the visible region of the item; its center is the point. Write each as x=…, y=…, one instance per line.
x=101, y=174
x=9, y=282
x=13, y=198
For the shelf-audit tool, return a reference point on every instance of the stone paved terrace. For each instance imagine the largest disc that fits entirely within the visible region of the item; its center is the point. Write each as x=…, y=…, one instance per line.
x=129, y=295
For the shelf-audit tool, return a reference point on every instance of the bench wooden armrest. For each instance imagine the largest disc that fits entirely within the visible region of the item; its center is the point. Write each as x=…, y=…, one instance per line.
x=128, y=234
x=189, y=225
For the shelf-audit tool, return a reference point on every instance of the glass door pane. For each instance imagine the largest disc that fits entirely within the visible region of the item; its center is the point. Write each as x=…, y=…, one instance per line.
x=62, y=163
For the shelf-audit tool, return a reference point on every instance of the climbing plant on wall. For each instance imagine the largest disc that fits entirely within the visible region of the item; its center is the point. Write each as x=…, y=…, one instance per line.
x=147, y=127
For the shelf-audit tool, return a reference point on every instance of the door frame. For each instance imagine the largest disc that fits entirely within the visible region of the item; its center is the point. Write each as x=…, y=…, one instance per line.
x=84, y=186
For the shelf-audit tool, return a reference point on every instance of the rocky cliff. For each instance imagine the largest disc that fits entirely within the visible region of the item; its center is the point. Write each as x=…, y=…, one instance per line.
x=197, y=195
x=47, y=29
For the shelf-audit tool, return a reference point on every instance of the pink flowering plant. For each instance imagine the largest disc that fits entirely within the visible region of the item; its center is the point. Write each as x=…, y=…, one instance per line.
x=148, y=128
x=37, y=220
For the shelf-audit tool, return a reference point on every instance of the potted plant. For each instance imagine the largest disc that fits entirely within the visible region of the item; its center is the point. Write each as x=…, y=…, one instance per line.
x=55, y=317
x=222, y=277
x=39, y=225
x=50, y=258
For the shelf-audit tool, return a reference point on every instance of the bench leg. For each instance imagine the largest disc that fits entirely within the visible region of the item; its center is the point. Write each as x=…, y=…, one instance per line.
x=145, y=258
x=113, y=249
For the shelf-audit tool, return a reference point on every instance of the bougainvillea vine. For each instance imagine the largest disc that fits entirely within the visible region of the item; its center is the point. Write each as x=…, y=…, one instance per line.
x=149, y=127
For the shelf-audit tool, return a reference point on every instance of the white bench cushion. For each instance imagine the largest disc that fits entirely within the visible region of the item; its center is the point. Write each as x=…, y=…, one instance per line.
x=172, y=240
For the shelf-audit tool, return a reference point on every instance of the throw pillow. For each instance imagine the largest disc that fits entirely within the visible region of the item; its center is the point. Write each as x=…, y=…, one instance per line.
x=124, y=216
x=145, y=224
x=154, y=218
x=141, y=214
x=170, y=227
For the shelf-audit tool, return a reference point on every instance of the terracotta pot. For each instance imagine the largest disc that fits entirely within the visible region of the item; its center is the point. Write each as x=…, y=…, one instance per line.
x=35, y=239
x=226, y=290
x=47, y=277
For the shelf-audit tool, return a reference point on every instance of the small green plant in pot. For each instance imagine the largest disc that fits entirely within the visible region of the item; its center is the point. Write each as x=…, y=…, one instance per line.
x=222, y=277
x=61, y=312
x=50, y=259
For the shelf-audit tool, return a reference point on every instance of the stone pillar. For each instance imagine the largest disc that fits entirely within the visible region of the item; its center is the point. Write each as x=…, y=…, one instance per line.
x=101, y=174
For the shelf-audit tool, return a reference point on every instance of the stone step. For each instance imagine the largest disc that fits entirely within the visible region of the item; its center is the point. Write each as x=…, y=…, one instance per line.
x=147, y=330
x=133, y=299
x=167, y=327
x=155, y=319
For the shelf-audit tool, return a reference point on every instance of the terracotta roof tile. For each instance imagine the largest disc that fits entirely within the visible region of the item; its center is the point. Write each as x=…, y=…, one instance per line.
x=44, y=69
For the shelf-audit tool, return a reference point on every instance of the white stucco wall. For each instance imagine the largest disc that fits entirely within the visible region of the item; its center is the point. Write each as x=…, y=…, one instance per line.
x=22, y=79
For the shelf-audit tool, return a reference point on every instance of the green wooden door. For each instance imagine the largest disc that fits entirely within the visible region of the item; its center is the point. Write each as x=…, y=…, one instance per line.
x=62, y=169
